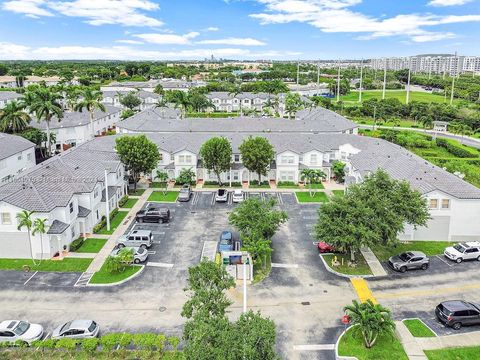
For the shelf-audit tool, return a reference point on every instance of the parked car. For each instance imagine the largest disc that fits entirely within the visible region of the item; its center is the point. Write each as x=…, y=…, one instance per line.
x=463, y=251
x=456, y=313
x=226, y=241
x=18, y=330
x=77, y=329
x=324, y=247
x=155, y=215
x=410, y=260
x=136, y=238
x=139, y=254
x=237, y=196
x=185, y=193
x=221, y=195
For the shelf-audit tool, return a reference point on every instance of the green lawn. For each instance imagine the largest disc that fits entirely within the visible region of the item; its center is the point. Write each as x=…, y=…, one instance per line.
x=157, y=185
x=138, y=192
x=105, y=277
x=315, y=186
x=114, y=223
x=92, y=245
x=398, y=94
x=418, y=328
x=460, y=353
x=170, y=196
x=340, y=193
x=430, y=248
x=385, y=348
x=304, y=197
x=65, y=265
x=362, y=267
x=130, y=203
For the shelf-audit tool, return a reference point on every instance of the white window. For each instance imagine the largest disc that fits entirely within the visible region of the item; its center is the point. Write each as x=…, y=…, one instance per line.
x=287, y=159
x=172, y=157
x=445, y=203
x=29, y=156
x=6, y=218
x=313, y=158
x=188, y=159
x=433, y=204
x=343, y=155
x=73, y=232
x=236, y=158
x=300, y=158
x=287, y=176
x=181, y=158
x=235, y=176
x=71, y=207
x=3, y=164
x=95, y=193
x=19, y=157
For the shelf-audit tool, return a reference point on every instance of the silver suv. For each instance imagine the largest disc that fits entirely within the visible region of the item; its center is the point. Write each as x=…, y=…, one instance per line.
x=463, y=251
x=136, y=238
x=409, y=260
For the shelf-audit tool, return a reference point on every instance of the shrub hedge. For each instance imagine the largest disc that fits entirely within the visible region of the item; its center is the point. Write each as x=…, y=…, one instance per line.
x=103, y=221
x=76, y=244
x=455, y=149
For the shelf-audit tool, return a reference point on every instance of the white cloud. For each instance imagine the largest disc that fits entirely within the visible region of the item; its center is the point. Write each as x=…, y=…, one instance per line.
x=168, y=39
x=233, y=41
x=334, y=16
x=9, y=51
x=131, y=42
x=448, y=2
x=212, y=28
x=96, y=12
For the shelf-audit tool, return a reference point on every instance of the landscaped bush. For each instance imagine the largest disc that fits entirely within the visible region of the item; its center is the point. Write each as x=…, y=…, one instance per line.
x=90, y=345
x=123, y=201
x=255, y=182
x=76, y=244
x=103, y=221
x=286, y=183
x=210, y=183
x=455, y=149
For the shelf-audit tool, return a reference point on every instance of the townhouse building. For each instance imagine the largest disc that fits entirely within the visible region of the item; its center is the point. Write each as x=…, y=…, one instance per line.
x=8, y=96
x=74, y=127
x=69, y=191
x=16, y=155
x=149, y=99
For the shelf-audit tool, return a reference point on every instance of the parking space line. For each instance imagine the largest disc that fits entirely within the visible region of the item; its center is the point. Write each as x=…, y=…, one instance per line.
x=285, y=266
x=30, y=278
x=158, y=264
x=443, y=260
x=314, y=347
x=279, y=198
x=363, y=291
x=195, y=198
x=229, y=198
x=213, y=200
x=151, y=252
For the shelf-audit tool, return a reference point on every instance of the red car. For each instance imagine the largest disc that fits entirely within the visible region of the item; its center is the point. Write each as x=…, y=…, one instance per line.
x=323, y=247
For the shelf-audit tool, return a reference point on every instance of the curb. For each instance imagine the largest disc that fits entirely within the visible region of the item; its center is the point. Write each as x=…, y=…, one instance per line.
x=338, y=357
x=329, y=269
x=121, y=281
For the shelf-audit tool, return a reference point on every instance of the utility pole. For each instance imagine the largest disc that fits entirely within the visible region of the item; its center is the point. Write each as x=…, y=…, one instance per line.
x=384, y=78
x=107, y=201
x=318, y=74
x=453, y=80
x=361, y=83
x=408, y=81
x=298, y=72
x=338, y=82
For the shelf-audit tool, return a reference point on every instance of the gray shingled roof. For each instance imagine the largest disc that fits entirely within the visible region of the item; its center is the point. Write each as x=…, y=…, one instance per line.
x=112, y=190
x=76, y=118
x=9, y=95
x=12, y=144
x=57, y=228
x=83, y=212
x=317, y=120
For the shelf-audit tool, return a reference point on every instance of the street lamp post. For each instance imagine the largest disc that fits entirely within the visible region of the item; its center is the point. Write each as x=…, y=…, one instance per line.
x=244, y=262
x=107, y=201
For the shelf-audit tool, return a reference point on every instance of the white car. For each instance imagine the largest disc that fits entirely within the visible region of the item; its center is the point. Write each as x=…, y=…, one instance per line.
x=237, y=196
x=18, y=330
x=77, y=329
x=463, y=251
x=139, y=254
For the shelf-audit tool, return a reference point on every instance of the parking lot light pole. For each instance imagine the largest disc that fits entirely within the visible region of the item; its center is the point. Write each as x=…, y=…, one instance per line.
x=107, y=201
x=244, y=261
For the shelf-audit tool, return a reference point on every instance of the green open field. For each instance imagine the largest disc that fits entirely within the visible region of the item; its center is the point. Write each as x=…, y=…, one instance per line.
x=398, y=94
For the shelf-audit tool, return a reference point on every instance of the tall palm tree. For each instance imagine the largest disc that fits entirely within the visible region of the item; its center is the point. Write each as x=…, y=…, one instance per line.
x=312, y=176
x=45, y=104
x=25, y=221
x=371, y=320
x=40, y=227
x=13, y=117
x=91, y=100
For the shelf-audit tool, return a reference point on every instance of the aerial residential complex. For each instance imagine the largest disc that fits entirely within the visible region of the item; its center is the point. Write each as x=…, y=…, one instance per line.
x=69, y=189
x=16, y=155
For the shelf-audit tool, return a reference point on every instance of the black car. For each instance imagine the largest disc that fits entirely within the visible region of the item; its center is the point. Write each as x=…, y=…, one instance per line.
x=456, y=313
x=153, y=215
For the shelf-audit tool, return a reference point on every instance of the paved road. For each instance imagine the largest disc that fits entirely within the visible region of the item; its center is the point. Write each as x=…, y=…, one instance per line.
x=464, y=140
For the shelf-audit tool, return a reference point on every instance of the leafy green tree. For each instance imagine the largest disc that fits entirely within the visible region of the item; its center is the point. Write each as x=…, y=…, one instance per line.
x=312, y=176
x=199, y=102
x=257, y=155
x=162, y=177
x=25, y=220
x=13, y=117
x=130, y=101
x=370, y=320
x=216, y=154
x=159, y=90
x=45, y=104
x=293, y=103
x=186, y=176
x=139, y=155
x=338, y=169
x=178, y=98
x=91, y=100
x=371, y=213
x=40, y=227
x=126, y=114
x=3, y=69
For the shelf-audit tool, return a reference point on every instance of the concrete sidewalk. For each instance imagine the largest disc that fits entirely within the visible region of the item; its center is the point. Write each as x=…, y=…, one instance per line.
x=410, y=344
x=372, y=261
x=110, y=244
x=448, y=341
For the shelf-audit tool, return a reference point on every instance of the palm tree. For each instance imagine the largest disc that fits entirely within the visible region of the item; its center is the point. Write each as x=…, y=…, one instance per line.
x=312, y=176
x=13, y=118
x=25, y=221
x=162, y=176
x=371, y=320
x=45, y=105
x=91, y=100
x=40, y=227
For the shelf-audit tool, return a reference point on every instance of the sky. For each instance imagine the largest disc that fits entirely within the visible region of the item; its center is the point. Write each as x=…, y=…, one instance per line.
x=236, y=29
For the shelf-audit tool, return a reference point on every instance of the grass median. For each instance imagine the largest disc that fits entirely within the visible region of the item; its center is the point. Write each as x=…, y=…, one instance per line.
x=160, y=196
x=65, y=265
x=103, y=276
x=318, y=197
x=361, y=267
x=418, y=328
